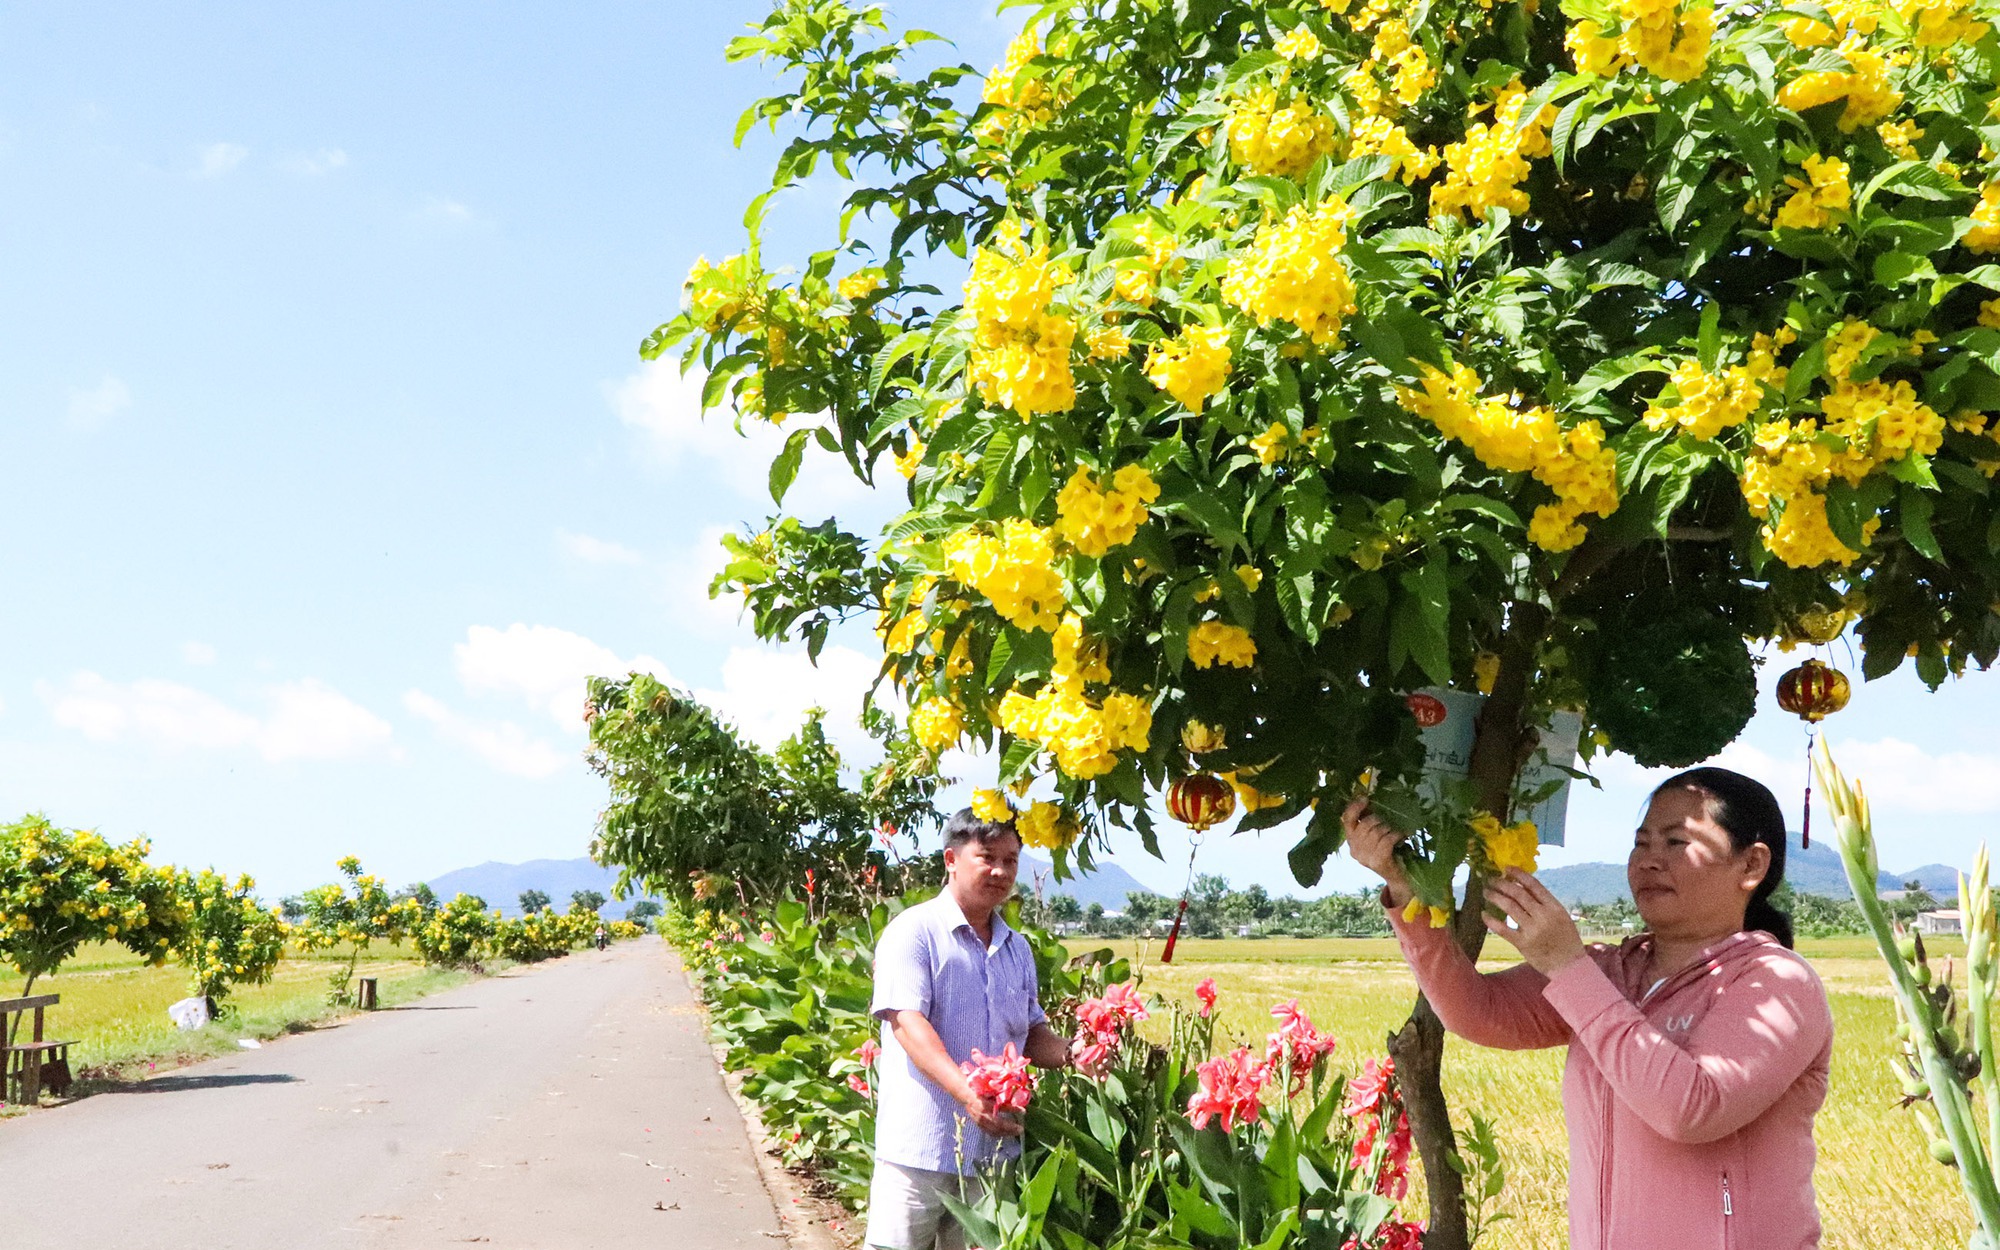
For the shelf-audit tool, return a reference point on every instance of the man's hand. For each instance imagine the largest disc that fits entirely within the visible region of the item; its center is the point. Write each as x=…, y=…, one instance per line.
x=988, y=1120
x=1372, y=843
x=1046, y=1048
x=1542, y=930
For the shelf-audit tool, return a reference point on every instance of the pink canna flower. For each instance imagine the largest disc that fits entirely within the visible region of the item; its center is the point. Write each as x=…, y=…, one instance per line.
x=1297, y=1040
x=1231, y=1087
x=767, y=937
x=1206, y=993
x=1365, y=1092
x=867, y=1051
x=1092, y=1058
x=1004, y=1078
x=858, y=1085
x=1395, y=1179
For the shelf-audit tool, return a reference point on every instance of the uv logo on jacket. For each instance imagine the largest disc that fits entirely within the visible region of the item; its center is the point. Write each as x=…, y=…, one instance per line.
x=1680, y=1024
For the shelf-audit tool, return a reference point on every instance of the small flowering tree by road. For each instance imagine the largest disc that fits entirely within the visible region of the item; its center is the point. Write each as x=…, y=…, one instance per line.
x=355, y=913
x=61, y=888
x=1251, y=366
x=231, y=939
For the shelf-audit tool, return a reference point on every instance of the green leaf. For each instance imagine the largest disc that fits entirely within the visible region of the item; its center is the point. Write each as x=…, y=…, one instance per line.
x=785, y=467
x=1421, y=622
x=1917, y=522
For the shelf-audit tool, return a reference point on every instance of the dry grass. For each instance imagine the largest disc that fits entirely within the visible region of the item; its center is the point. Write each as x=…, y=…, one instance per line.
x=1877, y=1185
x=115, y=1007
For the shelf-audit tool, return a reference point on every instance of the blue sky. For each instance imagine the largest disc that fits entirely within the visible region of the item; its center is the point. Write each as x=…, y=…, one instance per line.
x=333, y=468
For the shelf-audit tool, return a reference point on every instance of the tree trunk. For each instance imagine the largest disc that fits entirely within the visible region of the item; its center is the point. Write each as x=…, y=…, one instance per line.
x=1499, y=748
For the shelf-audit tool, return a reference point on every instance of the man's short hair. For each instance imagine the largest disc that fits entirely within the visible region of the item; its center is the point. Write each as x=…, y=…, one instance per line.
x=965, y=827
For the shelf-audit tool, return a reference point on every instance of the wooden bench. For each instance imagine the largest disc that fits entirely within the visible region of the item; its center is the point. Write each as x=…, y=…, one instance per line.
x=28, y=1066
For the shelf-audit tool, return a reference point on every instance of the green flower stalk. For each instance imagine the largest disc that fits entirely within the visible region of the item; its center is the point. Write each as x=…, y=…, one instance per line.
x=1942, y=1065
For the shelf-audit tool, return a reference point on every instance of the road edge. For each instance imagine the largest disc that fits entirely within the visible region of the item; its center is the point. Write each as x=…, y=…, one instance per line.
x=809, y=1221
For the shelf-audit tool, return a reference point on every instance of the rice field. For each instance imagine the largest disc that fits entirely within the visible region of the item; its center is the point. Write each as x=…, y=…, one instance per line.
x=114, y=1006
x=1876, y=1182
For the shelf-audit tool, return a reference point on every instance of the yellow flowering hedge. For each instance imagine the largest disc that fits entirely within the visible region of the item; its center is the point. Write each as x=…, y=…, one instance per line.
x=231, y=939
x=1301, y=356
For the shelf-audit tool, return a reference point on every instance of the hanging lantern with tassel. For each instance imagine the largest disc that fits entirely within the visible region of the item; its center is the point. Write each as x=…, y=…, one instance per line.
x=1199, y=801
x=1812, y=692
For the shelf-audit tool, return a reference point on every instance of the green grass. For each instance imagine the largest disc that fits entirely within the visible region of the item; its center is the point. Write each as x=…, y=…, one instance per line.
x=114, y=1007
x=1876, y=1182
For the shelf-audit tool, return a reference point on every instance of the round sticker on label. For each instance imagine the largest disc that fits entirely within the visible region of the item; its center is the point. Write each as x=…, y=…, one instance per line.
x=1428, y=709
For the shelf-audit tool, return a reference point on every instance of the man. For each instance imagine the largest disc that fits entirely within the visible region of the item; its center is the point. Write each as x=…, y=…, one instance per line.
x=950, y=978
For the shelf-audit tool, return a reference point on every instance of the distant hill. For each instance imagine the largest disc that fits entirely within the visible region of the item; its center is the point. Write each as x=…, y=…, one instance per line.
x=501, y=884
x=1107, y=883
x=1813, y=870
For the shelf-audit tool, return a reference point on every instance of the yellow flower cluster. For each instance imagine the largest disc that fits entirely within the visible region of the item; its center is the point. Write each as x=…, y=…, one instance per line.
x=1941, y=23
x=1412, y=73
x=721, y=294
x=1882, y=422
x=1138, y=277
x=1046, y=826
x=1485, y=170
x=1864, y=85
x=1271, y=444
x=1300, y=45
x=992, y=806
x=937, y=724
x=1252, y=799
x=1217, y=642
x=1665, y=39
x=860, y=284
x=1860, y=16
x=1709, y=402
x=1094, y=519
x=1278, y=139
x=1901, y=138
x=1107, y=342
x=1415, y=910
x=1812, y=202
x=1984, y=236
x=1292, y=272
x=1077, y=659
x=1015, y=569
x=1019, y=102
x=1506, y=846
x=1019, y=356
x=1192, y=365
x=1594, y=51
x=1573, y=463
x=908, y=462
x=1378, y=136
x=1085, y=738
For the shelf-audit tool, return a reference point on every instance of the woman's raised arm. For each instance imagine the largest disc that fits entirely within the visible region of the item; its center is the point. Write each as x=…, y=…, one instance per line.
x=1505, y=1010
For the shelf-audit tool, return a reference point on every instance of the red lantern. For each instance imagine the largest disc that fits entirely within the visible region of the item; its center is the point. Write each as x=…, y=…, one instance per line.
x=1201, y=800
x=1813, y=691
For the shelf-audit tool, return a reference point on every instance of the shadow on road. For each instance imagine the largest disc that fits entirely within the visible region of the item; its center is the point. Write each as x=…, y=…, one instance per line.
x=172, y=1084
x=462, y=1007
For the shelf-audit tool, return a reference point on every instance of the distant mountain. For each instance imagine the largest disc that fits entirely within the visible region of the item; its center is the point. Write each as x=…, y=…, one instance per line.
x=501, y=885
x=1810, y=870
x=1107, y=883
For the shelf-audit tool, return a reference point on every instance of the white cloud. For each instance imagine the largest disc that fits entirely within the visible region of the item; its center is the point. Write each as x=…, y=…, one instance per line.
x=503, y=744
x=307, y=719
x=766, y=692
x=543, y=665
x=218, y=159
x=596, y=550
x=315, y=164
x=90, y=408
x=198, y=653
x=438, y=208
x=1901, y=776
x=665, y=405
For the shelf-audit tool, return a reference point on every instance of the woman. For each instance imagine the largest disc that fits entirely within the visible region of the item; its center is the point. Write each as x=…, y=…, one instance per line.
x=1698, y=1050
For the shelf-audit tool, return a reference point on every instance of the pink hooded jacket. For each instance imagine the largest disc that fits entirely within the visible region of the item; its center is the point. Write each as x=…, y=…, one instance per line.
x=1690, y=1103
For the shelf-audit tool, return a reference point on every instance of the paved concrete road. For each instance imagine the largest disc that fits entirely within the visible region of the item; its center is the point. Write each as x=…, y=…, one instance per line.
x=571, y=1106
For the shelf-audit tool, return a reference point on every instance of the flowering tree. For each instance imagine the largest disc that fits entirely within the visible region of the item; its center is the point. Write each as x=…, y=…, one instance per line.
x=231, y=939
x=61, y=888
x=355, y=913
x=457, y=934
x=1308, y=355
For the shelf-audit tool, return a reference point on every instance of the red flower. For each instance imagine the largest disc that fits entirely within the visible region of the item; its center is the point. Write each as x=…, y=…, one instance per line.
x=1402, y=1236
x=1297, y=1039
x=1364, y=1144
x=887, y=832
x=1004, y=1078
x=1206, y=993
x=859, y=1086
x=867, y=1051
x=1230, y=1087
x=1092, y=1058
x=809, y=881
x=1395, y=1180
x=1365, y=1092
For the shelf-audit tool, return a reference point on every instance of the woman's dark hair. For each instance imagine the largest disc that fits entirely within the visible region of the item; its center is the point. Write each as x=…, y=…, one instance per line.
x=965, y=827
x=1748, y=811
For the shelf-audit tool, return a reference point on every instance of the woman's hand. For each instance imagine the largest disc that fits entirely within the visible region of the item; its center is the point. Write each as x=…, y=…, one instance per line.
x=1372, y=842
x=1542, y=930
